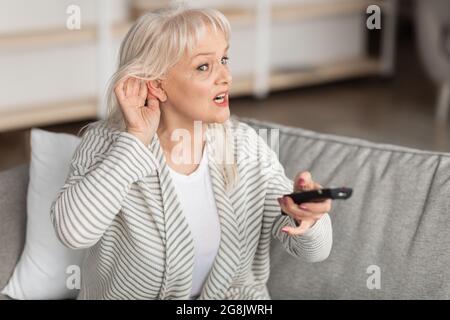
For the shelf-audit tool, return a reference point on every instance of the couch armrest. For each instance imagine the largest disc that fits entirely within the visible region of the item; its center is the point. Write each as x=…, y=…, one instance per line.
x=13, y=191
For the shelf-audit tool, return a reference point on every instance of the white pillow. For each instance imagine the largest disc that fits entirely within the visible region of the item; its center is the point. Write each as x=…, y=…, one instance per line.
x=41, y=272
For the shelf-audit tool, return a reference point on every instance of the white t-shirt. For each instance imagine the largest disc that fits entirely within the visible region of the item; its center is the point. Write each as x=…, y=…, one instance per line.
x=198, y=204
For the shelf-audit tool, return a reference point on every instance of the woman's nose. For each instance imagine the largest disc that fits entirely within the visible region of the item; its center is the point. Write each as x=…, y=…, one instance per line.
x=225, y=76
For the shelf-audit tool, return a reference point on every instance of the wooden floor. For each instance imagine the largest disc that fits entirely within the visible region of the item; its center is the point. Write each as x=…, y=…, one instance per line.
x=397, y=110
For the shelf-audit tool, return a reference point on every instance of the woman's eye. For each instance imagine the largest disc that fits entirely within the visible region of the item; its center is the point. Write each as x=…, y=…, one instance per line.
x=200, y=67
x=206, y=65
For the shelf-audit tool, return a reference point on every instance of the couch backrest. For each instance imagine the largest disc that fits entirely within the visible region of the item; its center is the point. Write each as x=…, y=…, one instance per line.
x=395, y=226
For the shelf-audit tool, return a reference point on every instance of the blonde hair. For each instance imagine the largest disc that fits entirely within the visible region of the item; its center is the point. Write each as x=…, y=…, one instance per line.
x=155, y=43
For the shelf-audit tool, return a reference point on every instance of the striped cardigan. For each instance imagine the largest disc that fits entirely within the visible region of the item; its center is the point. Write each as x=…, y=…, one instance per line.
x=119, y=201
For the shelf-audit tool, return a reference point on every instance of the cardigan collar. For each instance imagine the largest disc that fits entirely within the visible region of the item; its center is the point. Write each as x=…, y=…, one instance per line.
x=178, y=240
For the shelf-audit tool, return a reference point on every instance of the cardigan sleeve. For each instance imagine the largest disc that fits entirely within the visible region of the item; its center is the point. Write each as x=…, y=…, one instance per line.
x=315, y=244
x=102, y=170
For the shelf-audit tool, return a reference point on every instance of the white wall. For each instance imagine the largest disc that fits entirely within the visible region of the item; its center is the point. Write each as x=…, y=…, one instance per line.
x=39, y=75
x=45, y=74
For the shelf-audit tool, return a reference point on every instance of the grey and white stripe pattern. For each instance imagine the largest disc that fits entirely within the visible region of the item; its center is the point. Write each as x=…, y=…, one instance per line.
x=119, y=201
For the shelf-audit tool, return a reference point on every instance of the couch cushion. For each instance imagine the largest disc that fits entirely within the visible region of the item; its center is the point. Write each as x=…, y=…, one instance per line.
x=41, y=272
x=394, y=231
x=13, y=190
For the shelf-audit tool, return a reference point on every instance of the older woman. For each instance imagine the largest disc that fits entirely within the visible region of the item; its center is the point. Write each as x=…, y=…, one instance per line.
x=170, y=220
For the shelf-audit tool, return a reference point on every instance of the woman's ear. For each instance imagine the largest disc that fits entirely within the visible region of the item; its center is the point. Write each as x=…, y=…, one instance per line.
x=155, y=89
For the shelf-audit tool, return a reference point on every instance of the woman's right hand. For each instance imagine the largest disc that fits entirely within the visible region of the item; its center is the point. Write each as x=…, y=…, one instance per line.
x=140, y=120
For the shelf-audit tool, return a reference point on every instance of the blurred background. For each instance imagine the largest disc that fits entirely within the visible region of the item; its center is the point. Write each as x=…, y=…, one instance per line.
x=377, y=70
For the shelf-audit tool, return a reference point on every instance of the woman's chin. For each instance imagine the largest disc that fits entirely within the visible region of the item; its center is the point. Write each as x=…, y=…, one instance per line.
x=218, y=116
x=223, y=117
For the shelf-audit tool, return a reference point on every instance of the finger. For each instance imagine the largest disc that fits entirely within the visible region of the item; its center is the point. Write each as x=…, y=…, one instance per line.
x=125, y=85
x=142, y=90
x=298, y=182
x=303, y=181
x=129, y=87
x=299, y=213
x=316, y=207
x=119, y=89
x=136, y=86
x=292, y=209
x=308, y=183
x=295, y=231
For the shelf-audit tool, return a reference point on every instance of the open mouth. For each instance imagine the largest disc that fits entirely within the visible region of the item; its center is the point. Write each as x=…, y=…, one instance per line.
x=221, y=99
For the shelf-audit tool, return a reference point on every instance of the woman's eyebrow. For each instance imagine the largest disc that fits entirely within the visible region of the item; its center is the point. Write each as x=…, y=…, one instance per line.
x=210, y=53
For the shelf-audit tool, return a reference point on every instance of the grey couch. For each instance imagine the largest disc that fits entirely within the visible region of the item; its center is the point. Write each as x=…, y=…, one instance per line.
x=391, y=239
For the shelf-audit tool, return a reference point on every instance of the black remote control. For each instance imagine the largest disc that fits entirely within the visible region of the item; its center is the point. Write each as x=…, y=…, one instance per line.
x=320, y=195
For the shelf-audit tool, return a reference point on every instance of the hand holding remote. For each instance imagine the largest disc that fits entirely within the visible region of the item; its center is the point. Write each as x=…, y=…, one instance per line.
x=305, y=214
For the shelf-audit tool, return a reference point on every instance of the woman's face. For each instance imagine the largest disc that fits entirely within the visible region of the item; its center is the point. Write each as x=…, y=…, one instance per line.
x=193, y=83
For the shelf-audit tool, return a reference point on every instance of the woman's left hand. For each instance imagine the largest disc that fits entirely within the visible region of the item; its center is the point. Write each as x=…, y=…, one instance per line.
x=307, y=213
